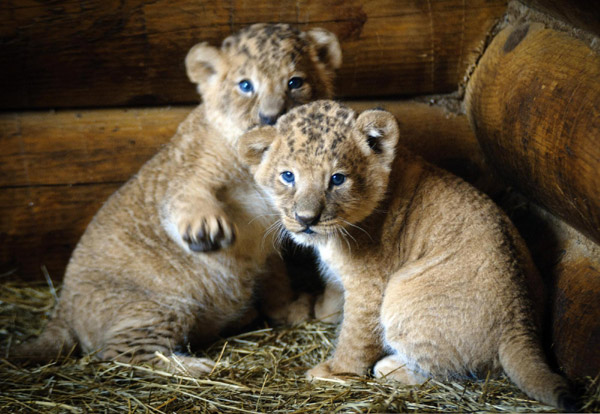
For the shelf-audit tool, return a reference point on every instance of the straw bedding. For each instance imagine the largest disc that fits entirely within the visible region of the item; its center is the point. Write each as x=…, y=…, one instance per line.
x=257, y=371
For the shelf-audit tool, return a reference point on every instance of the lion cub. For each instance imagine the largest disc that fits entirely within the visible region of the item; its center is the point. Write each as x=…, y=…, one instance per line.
x=433, y=273
x=137, y=284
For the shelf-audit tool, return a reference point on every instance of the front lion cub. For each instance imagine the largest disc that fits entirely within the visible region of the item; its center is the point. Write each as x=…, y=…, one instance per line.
x=137, y=284
x=433, y=273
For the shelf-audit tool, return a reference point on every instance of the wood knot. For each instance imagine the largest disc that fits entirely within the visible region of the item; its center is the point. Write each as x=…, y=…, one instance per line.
x=516, y=37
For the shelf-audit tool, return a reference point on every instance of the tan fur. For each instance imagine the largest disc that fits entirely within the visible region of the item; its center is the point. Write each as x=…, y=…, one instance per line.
x=433, y=273
x=151, y=273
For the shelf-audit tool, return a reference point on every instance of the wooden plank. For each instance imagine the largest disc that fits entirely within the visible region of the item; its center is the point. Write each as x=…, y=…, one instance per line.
x=131, y=52
x=77, y=147
x=40, y=225
x=96, y=146
x=534, y=104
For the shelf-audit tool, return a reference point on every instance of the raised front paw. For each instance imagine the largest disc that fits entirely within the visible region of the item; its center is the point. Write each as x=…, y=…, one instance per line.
x=207, y=234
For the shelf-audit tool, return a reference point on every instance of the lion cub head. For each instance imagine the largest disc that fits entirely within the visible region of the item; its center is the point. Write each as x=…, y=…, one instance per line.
x=324, y=167
x=263, y=71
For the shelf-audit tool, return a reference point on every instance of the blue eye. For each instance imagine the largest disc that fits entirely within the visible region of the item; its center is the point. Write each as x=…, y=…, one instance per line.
x=338, y=179
x=295, y=83
x=246, y=86
x=287, y=176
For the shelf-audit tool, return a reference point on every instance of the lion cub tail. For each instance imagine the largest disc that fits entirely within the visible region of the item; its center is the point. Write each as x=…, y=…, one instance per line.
x=523, y=361
x=55, y=341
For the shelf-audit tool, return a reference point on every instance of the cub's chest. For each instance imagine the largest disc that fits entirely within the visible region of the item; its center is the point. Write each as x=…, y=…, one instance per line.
x=339, y=263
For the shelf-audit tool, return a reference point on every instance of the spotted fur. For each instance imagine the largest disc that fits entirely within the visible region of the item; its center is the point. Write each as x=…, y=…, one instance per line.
x=434, y=275
x=179, y=252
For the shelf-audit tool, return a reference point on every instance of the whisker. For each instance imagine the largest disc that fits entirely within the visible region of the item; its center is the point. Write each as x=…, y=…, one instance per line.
x=276, y=236
x=349, y=235
x=273, y=227
x=342, y=232
x=279, y=238
x=357, y=227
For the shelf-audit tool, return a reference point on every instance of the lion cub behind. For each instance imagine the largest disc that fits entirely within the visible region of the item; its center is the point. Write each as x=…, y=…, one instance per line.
x=151, y=273
x=433, y=273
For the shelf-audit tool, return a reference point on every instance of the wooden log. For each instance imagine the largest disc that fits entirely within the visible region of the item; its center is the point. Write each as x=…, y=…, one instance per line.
x=58, y=168
x=533, y=102
x=81, y=147
x=131, y=52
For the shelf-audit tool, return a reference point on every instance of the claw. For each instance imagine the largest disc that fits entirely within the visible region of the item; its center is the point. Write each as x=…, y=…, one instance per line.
x=203, y=239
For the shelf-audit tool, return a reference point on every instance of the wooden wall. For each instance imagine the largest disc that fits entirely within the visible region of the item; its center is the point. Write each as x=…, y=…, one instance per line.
x=98, y=53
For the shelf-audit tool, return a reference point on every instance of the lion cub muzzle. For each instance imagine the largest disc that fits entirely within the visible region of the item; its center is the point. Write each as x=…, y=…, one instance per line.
x=308, y=210
x=271, y=108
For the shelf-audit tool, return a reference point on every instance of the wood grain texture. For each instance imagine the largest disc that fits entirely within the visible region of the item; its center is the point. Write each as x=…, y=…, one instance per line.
x=59, y=166
x=130, y=52
x=534, y=104
x=81, y=147
x=40, y=225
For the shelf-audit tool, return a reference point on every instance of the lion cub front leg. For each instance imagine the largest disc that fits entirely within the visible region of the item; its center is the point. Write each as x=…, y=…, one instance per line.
x=200, y=220
x=359, y=343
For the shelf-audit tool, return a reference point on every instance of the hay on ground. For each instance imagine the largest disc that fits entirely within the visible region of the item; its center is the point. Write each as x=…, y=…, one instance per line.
x=258, y=371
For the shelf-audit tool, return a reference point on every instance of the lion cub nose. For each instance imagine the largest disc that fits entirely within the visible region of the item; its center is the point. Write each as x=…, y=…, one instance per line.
x=308, y=219
x=269, y=119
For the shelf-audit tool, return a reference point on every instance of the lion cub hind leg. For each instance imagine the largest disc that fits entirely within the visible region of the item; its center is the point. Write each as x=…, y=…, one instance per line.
x=55, y=341
x=148, y=333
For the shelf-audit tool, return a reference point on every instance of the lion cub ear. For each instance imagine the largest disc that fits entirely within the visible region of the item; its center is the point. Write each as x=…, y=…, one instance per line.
x=327, y=46
x=255, y=143
x=203, y=62
x=378, y=129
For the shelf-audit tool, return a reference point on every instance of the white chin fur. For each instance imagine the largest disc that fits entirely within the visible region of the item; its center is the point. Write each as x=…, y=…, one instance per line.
x=308, y=240
x=303, y=239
